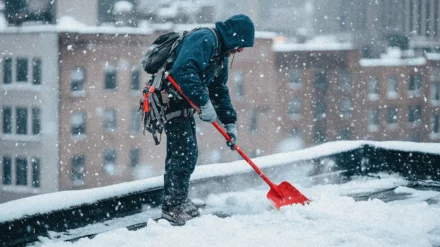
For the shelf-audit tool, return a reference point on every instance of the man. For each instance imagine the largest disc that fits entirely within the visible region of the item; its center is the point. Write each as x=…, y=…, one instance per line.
x=201, y=70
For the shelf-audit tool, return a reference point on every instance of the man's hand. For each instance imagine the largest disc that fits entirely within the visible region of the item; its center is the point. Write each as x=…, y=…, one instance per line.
x=231, y=130
x=207, y=112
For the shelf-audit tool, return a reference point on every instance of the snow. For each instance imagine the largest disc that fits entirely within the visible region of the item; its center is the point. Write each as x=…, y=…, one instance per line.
x=319, y=43
x=123, y=7
x=66, y=199
x=393, y=57
x=331, y=219
x=433, y=56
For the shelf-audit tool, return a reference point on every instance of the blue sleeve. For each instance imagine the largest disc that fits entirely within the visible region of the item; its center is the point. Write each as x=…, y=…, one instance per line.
x=221, y=99
x=193, y=55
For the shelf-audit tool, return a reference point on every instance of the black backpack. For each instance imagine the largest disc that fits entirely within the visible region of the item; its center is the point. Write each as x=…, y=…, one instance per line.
x=158, y=92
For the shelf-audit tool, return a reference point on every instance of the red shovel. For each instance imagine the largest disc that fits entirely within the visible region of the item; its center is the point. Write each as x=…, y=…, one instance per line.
x=280, y=195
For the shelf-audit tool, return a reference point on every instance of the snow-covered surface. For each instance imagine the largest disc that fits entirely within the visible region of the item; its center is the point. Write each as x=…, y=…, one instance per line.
x=55, y=201
x=333, y=218
x=433, y=56
x=319, y=43
x=393, y=57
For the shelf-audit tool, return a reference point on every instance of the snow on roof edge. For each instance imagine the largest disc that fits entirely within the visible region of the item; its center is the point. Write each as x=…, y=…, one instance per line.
x=67, y=199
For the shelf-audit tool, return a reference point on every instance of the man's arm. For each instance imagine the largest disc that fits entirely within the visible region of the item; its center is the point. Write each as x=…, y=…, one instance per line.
x=194, y=54
x=219, y=94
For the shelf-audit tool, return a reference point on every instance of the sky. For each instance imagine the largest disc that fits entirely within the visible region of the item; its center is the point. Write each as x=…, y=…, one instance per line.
x=333, y=218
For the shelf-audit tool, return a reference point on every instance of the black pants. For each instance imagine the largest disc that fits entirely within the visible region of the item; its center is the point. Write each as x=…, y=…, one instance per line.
x=180, y=161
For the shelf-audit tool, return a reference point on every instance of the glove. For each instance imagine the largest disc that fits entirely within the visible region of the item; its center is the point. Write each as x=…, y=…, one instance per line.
x=231, y=130
x=207, y=112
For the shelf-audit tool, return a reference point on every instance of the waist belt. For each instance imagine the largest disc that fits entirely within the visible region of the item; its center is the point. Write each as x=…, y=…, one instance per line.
x=183, y=112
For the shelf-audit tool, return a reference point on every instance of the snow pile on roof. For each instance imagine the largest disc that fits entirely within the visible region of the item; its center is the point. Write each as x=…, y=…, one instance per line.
x=393, y=57
x=123, y=7
x=65, y=199
x=319, y=43
x=331, y=219
x=433, y=56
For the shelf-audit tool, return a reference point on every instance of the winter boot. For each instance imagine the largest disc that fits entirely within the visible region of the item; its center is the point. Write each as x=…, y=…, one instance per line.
x=191, y=209
x=176, y=216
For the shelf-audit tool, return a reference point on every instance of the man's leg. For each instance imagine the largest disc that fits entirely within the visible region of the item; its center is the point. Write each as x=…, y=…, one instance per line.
x=180, y=162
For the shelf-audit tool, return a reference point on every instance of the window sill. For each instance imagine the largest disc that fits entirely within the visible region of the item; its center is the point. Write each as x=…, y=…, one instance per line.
x=373, y=128
x=21, y=86
x=78, y=94
x=21, y=189
x=14, y=137
x=434, y=136
x=79, y=137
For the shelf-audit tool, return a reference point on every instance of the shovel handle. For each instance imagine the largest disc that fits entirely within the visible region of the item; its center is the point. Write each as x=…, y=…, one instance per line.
x=228, y=138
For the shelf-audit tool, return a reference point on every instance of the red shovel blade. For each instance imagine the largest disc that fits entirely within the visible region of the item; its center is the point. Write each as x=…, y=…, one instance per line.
x=285, y=194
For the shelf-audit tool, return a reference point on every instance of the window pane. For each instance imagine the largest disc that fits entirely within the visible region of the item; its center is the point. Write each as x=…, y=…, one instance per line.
x=134, y=157
x=21, y=171
x=7, y=170
x=294, y=107
x=7, y=120
x=21, y=121
x=239, y=84
x=78, y=123
x=7, y=70
x=36, y=71
x=77, y=77
x=135, y=121
x=78, y=170
x=22, y=69
x=414, y=113
x=436, y=124
x=110, y=120
x=373, y=85
x=36, y=121
x=135, y=80
x=110, y=79
x=110, y=161
x=345, y=80
x=295, y=78
x=36, y=172
x=392, y=87
x=392, y=115
x=321, y=80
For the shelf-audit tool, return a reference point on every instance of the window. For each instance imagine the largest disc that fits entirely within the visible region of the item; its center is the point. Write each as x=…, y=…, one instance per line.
x=36, y=121
x=294, y=107
x=320, y=109
x=393, y=87
x=7, y=170
x=392, y=115
x=254, y=121
x=373, y=88
x=135, y=121
x=78, y=170
x=344, y=134
x=110, y=77
x=21, y=121
x=22, y=69
x=435, y=91
x=346, y=108
x=35, y=172
x=319, y=133
x=295, y=78
x=110, y=161
x=321, y=80
x=21, y=170
x=135, y=80
x=7, y=120
x=36, y=71
x=7, y=70
x=435, y=126
x=373, y=119
x=78, y=123
x=415, y=83
x=345, y=79
x=239, y=84
x=77, y=77
x=415, y=114
x=110, y=120
x=134, y=157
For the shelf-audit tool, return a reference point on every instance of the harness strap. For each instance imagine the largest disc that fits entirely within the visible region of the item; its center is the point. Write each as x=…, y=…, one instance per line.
x=184, y=112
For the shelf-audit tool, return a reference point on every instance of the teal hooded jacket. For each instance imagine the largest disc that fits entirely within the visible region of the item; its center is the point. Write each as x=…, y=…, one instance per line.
x=201, y=65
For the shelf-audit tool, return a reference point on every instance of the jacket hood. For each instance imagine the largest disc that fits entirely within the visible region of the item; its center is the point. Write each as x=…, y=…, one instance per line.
x=237, y=32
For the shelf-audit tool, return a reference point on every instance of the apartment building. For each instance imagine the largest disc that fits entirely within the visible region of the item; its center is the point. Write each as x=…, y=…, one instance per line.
x=29, y=106
x=332, y=94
